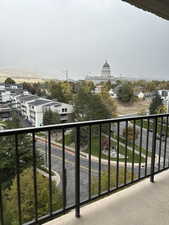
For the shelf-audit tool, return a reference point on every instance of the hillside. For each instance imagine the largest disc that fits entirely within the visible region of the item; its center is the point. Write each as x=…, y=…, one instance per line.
x=135, y=108
x=20, y=75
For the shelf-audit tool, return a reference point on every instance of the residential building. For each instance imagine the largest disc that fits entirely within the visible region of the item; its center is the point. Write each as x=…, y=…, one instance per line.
x=164, y=94
x=112, y=93
x=32, y=108
x=5, y=96
x=5, y=112
x=139, y=94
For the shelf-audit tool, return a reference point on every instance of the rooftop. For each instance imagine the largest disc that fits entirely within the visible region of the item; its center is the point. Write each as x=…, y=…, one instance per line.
x=39, y=102
x=27, y=97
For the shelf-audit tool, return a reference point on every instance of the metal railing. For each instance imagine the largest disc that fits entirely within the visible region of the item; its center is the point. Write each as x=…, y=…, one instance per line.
x=107, y=155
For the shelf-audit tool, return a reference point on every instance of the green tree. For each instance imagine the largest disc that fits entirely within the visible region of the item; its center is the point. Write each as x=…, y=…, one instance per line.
x=50, y=117
x=155, y=104
x=88, y=106
x=56, y=91
x=8, y=152
x=9, y=81
x=125, y=93
x=27, y=198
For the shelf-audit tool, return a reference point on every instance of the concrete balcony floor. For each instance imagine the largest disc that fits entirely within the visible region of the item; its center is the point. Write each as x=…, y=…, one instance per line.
x=144, y=203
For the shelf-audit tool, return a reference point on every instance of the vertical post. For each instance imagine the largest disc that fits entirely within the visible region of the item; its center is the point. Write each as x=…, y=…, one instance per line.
x=77, y=172
x=109, y=149
x=153, y=149
x=35, y=178
x=18, y=180
x=64, y=176
x=1, y=203
x=46, y=152
x=50, y=171
x=90, y=149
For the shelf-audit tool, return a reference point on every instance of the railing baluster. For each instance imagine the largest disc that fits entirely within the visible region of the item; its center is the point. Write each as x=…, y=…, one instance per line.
x=90, y=149
x=35, y=177
x=100, y=155
x=147, y=146
x=126, y=153
x=77, y=172
x=109, y=149
x=50, y=172
x=64, y=177
x=133, y=150
x=117, y=165
x=1, y=202
x=153, y=149
x=18, y=180
x=165, y=146
x=161, y=130
x=140, y=149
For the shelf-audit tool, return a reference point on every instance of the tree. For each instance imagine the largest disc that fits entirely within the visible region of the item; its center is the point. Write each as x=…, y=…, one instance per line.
x=125, y=92
x=131, y=134
x=108, y=101
x=8, y=153
x=88, y=106
x=9, y=81
x=155, y=104
x=27, y=198
x=56, y=91
x=50, y=117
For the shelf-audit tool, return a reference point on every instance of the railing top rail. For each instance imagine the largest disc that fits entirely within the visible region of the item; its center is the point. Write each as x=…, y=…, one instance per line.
x=76, y=124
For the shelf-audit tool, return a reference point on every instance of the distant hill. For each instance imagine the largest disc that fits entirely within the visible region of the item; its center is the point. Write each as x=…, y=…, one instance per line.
x=20, y=75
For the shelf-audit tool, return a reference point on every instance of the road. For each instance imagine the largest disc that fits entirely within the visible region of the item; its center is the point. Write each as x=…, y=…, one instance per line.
x=70, y=168
x=84, y=164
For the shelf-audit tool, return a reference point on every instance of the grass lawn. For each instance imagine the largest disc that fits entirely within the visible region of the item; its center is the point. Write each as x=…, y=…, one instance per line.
x=145, y=125
x=69, y=139
x=104, y=180
x=137, y=147
x=95, y=148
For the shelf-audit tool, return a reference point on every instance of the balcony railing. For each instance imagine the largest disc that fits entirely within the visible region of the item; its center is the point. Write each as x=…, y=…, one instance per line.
x=105, y=156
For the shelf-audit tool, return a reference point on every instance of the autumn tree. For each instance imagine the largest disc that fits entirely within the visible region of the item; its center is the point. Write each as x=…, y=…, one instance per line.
x=130, y=133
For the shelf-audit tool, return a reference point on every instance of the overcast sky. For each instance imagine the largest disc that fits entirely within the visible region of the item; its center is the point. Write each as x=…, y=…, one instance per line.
x=51, y=36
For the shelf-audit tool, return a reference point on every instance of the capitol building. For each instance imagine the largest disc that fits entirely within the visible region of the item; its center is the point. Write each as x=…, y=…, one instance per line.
x=104, y=76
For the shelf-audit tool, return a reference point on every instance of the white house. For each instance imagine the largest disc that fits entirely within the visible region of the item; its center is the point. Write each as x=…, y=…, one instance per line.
x=5, y=96
x=63, y=109
x=98, y=89
x=139, y=94
x=112, y=93
x=36, y=112
x=2, y=87
x=33, y=108
x=164, y=94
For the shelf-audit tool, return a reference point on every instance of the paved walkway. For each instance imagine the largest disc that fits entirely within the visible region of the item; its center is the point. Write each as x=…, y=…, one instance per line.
x=144, y=203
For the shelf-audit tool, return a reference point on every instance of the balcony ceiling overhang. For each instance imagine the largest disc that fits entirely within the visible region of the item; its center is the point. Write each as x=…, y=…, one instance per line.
x=157, y=7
